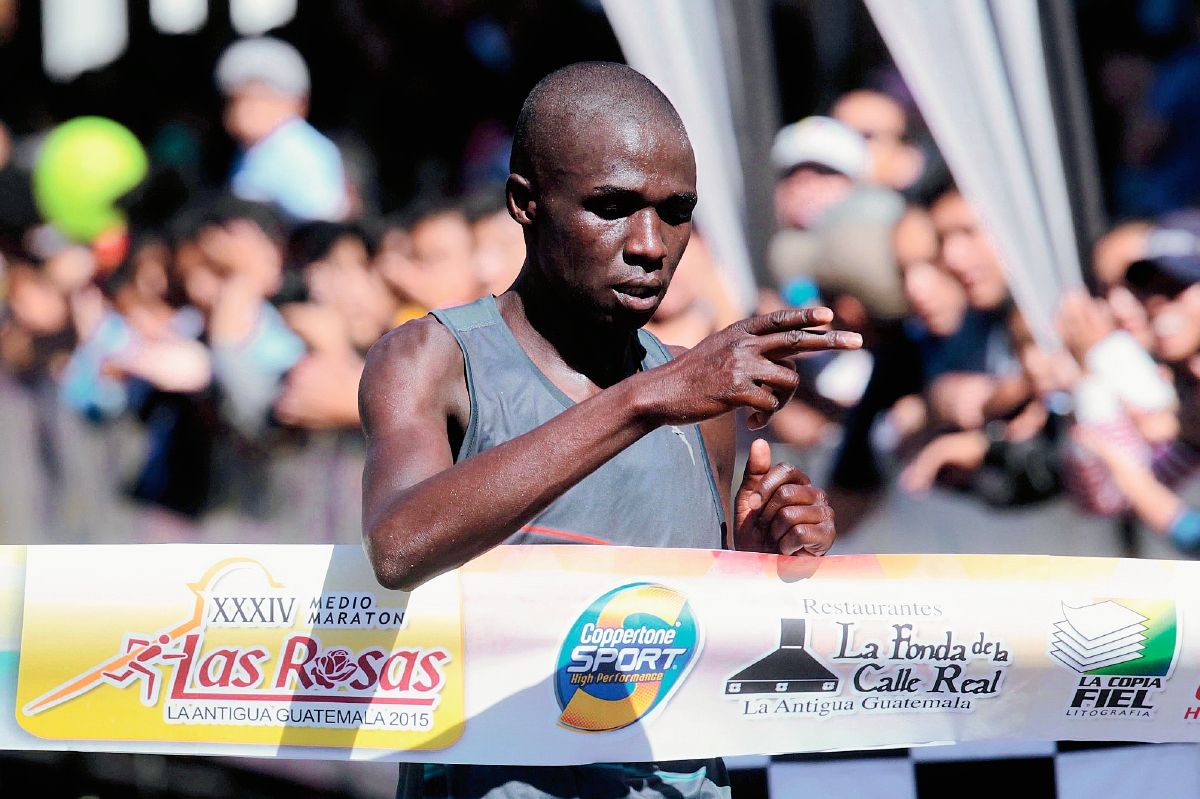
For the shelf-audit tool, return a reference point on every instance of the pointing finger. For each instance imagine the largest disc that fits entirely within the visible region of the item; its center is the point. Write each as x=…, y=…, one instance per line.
x=788, y=319
x=793, y=342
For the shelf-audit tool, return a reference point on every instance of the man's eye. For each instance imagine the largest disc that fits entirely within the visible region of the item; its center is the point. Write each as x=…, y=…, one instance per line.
x=676, y=212
x=611, y=207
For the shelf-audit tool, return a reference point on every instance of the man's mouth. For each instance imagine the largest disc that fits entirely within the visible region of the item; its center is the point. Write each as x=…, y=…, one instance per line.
x=638, y=296
x=638, y=290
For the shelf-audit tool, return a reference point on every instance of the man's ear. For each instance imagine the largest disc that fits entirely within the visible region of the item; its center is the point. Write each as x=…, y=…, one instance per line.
x=521, y=204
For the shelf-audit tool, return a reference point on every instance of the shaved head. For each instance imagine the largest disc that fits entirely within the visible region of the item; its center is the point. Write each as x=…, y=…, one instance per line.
x=569, y=102
x=604, y=183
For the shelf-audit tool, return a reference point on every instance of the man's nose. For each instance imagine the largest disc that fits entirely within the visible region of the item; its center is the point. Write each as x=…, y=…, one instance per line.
x=645, y=244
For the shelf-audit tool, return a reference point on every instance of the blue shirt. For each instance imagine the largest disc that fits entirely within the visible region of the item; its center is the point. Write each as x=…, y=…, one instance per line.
x=979, y=345
x=296, y=168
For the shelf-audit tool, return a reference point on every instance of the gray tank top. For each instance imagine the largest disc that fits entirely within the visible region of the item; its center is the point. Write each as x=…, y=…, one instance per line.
x=659, y=492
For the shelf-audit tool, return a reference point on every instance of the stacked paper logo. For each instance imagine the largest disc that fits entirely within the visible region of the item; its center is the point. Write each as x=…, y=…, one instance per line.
x=1095, y=636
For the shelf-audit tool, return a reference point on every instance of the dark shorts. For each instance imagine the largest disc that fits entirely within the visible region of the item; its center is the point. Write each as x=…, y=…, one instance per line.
x=681, y=779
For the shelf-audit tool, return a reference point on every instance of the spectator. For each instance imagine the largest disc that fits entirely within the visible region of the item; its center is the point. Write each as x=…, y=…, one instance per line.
x=1111, y=257
x=882, y=122
x=835, y=239
x=499, y=243
x=36, y=335
x=430, y=263
x=1165, y=280
x=1166, y=284
x=1018, y=458
x=937, y=299
x=978, y=356
x=285, y=160
x=836, y=230
x=350, y=307
x=939, y=305
x=1158, y=507
x=1151, y=272
x=232, y=264
x=819, y=161
x=338, y=276
x=132, y=341
x=164, y=374
x=1121, y=397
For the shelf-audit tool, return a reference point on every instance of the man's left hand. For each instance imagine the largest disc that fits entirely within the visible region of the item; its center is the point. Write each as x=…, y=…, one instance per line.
x=778, y=511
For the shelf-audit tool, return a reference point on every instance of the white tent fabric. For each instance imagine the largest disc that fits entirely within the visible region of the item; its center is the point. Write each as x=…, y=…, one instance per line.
x=677, y=44
x=977, y=71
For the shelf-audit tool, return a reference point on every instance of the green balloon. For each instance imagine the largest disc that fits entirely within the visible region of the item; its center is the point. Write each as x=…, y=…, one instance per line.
x=85, y=165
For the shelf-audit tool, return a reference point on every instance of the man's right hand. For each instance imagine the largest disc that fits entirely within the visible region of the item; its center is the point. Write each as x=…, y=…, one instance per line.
x=744, y=365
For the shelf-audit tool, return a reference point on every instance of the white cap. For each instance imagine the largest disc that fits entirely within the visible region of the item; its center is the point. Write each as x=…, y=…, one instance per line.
x=820, y=140
x=263, y=58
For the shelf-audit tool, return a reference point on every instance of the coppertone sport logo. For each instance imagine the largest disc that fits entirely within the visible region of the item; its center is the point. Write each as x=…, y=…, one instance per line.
x=624, y=657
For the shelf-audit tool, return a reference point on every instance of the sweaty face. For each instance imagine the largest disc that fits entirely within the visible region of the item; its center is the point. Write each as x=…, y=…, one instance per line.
x=967, y=253
x=613, y=214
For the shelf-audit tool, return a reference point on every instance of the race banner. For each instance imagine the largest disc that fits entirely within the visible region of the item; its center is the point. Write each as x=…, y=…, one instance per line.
x=565, y=655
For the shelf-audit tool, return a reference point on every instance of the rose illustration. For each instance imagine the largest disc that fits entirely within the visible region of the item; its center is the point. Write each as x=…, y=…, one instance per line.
x=333, y=667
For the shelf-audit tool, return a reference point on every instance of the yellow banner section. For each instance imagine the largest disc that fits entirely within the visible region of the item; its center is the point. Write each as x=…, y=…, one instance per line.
x=251, y=645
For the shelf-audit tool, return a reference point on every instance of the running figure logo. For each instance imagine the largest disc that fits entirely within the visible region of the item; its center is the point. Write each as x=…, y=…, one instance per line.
x=142, y=667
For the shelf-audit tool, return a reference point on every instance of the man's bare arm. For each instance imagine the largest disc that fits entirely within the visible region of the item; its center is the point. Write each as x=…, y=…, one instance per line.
x=423, y=514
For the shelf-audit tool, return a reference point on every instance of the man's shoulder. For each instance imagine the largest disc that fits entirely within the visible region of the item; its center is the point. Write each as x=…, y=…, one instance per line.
x=419, y=343
x=419, y=360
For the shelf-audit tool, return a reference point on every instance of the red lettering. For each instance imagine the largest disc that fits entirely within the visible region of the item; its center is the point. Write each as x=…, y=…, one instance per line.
x=249, y=662
x=1192, y=713
x=432, y=670
x=208, y=675
x=288, y=663
x=179, y=683
x=369, y=675
x=386, y=678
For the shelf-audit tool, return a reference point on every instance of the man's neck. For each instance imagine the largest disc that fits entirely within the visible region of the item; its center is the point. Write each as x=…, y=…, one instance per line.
x=545, y=324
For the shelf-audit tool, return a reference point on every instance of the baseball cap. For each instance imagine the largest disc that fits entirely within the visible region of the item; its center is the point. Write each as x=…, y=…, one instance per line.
x=1172, y=259
x=823, y=141
x=266, y=59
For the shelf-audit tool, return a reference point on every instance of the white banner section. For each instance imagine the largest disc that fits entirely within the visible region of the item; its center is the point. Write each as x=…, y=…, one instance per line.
x=565, y=655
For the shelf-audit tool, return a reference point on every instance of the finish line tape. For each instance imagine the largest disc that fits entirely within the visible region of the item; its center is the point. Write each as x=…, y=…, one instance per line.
x=563, y=655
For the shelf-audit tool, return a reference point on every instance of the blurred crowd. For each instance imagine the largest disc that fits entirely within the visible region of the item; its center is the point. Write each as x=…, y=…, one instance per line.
x=230, y=326
x=205, y=347
x=954, y=389
x=179, y=361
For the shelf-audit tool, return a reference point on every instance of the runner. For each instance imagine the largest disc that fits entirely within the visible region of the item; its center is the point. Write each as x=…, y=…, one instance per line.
x=546, y=415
